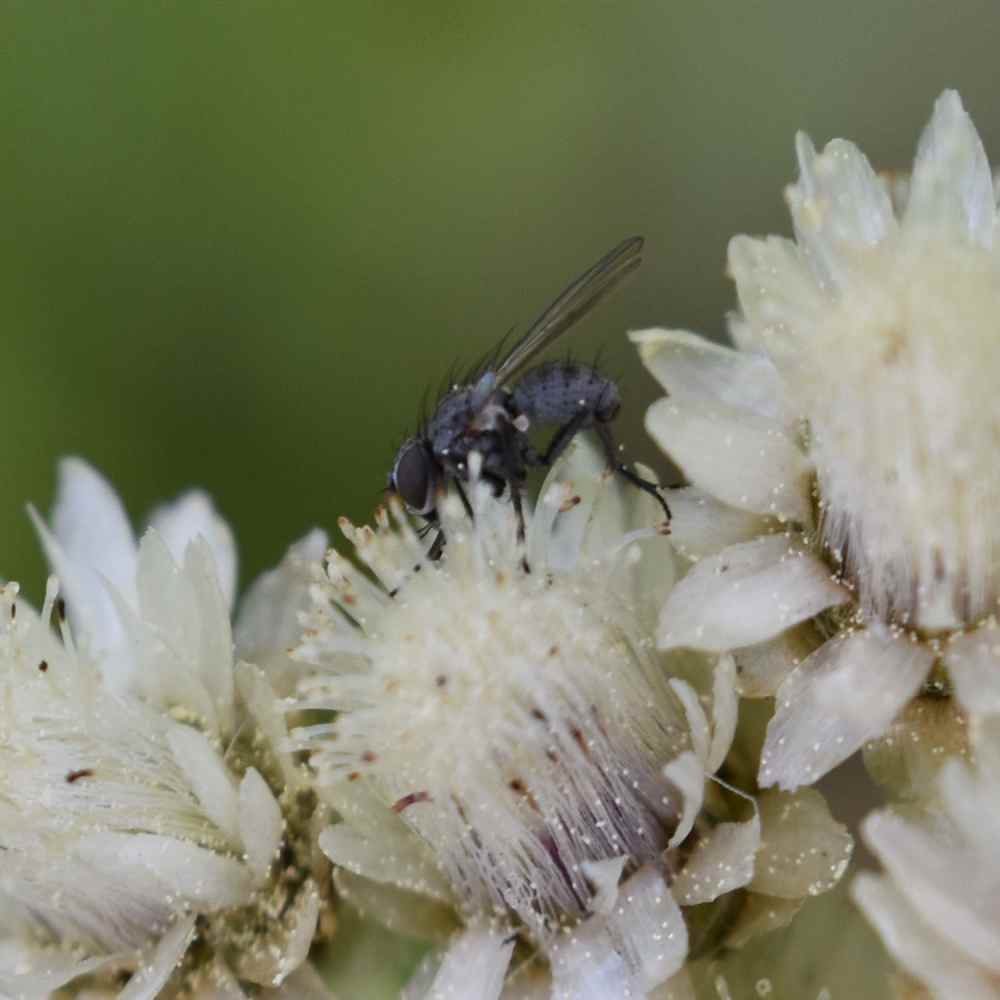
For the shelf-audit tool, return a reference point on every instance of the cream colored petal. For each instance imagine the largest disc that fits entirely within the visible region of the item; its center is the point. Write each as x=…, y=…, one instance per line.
x=803, y=851
x=604, y=876
x=260, y=821
x=154, y=973
x=687, y=774
x=951, y=188
x=847, y=692
x=838, y=206
x=701, y=525
x=746, y=594
x=403, y=912
x=194, y=516
x=916, y=945
x=303, y=984
x=721, y=862
x=761, y=668
x=473, y=967
x=973, y=662
x=779, y=296
x=748, y=463
x=208, y=777
x=725, y=707
x=761, y=915
x=949, y=888
x=26, y=972
x=695, y=370
x=677, y=987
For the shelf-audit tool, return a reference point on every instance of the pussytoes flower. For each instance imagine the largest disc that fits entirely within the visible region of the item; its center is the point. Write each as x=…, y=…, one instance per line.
x=844, y=516
x=511, y=754
x=155, y=830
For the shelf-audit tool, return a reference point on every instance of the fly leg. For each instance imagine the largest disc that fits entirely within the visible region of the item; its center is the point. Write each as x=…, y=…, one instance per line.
x=604, y=433
x=564, y=435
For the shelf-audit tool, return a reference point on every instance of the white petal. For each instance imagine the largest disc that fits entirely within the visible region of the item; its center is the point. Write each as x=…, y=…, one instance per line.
x=154, y=973
x=604, y=876
x=721, y=862
x=950, y=889
x=695, y=370
x=208, y=778
x=838, y=206
x=696, y=719
x=407, y=913
x=677, y=987
x=779, y=295
x=187, y=872
x=267, y=625
x=193, y=516
x=260, y=823
x=638, y=947
x=761, y=668
x=749, y=463
x=725, y=707
x=701, y=525
x=473, y=967
x=27, y=973
x=951, y=187
x=91, y=526
x=846, y=693
x=916, y=946
x=687, y=774
x=973, y=662
x=746, y=594
x=804, y=851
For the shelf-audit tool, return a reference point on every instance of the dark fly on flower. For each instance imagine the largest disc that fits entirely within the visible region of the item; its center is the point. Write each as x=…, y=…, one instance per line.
x=492, y=415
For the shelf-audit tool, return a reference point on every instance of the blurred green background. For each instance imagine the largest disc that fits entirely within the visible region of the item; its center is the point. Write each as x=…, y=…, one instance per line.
x=243, y=238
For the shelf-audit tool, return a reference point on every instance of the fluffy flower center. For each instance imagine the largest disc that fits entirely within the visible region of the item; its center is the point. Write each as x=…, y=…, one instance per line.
x=517, y=721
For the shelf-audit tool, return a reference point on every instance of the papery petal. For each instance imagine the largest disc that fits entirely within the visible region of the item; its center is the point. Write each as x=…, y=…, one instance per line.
x=473, y=967
x=748, y=463
x=303, y=984
x=927, y=873
x=917, y=946
x=152, y=976
x=803, y=850
x=604, y=877
x=408, y=913
x=847, y=692
x=193, y=516
x=208, y=777
x=677, y=987
x=695, y=370
x=701, y=525
x=746, y=594
x=268, y=625
x=26, y=973
x=760, y=915
x=687, y=774
x=721, y=862
x=636, y=948
x=725, y=707
x=951, y=187
x=838, y=206
x=761, y=668
x=261, y=825
x=973, y=662
x=778, y=294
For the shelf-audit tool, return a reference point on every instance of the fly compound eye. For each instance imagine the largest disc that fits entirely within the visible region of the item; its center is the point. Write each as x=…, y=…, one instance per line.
x=413, y=477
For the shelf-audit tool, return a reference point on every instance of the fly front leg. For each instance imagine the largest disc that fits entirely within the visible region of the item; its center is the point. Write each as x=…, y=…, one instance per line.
x=653, y=489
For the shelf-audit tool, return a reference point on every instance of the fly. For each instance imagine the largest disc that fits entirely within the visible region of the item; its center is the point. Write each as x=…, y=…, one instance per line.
x=492, y=415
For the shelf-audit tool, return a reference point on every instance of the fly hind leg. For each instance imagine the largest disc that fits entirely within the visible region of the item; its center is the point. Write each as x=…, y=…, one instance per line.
x=646, y=485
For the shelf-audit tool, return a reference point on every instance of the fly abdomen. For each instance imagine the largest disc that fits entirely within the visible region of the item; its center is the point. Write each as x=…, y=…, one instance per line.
x=558, y=392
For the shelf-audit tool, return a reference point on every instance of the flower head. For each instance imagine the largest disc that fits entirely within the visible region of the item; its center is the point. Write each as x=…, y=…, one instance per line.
x=511, y=749
x=845, y=515
x=148, y=800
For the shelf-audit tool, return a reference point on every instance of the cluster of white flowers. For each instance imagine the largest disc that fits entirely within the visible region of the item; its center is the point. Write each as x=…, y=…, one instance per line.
x=535, y=755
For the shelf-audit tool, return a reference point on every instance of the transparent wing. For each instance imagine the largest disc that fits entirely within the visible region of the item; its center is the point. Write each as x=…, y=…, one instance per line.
x=574, y=303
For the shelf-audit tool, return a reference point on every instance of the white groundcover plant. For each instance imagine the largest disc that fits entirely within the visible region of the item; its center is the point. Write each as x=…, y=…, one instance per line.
x=511, y=752
x=843, y=457
x=156, y=835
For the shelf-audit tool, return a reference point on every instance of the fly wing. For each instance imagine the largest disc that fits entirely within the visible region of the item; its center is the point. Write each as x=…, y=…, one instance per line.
x=574, y=303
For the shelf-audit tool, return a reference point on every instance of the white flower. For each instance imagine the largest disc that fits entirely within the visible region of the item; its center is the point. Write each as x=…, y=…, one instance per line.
x=936, y=907
x=843, y=459
x=147, y=799
x=510, y=744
